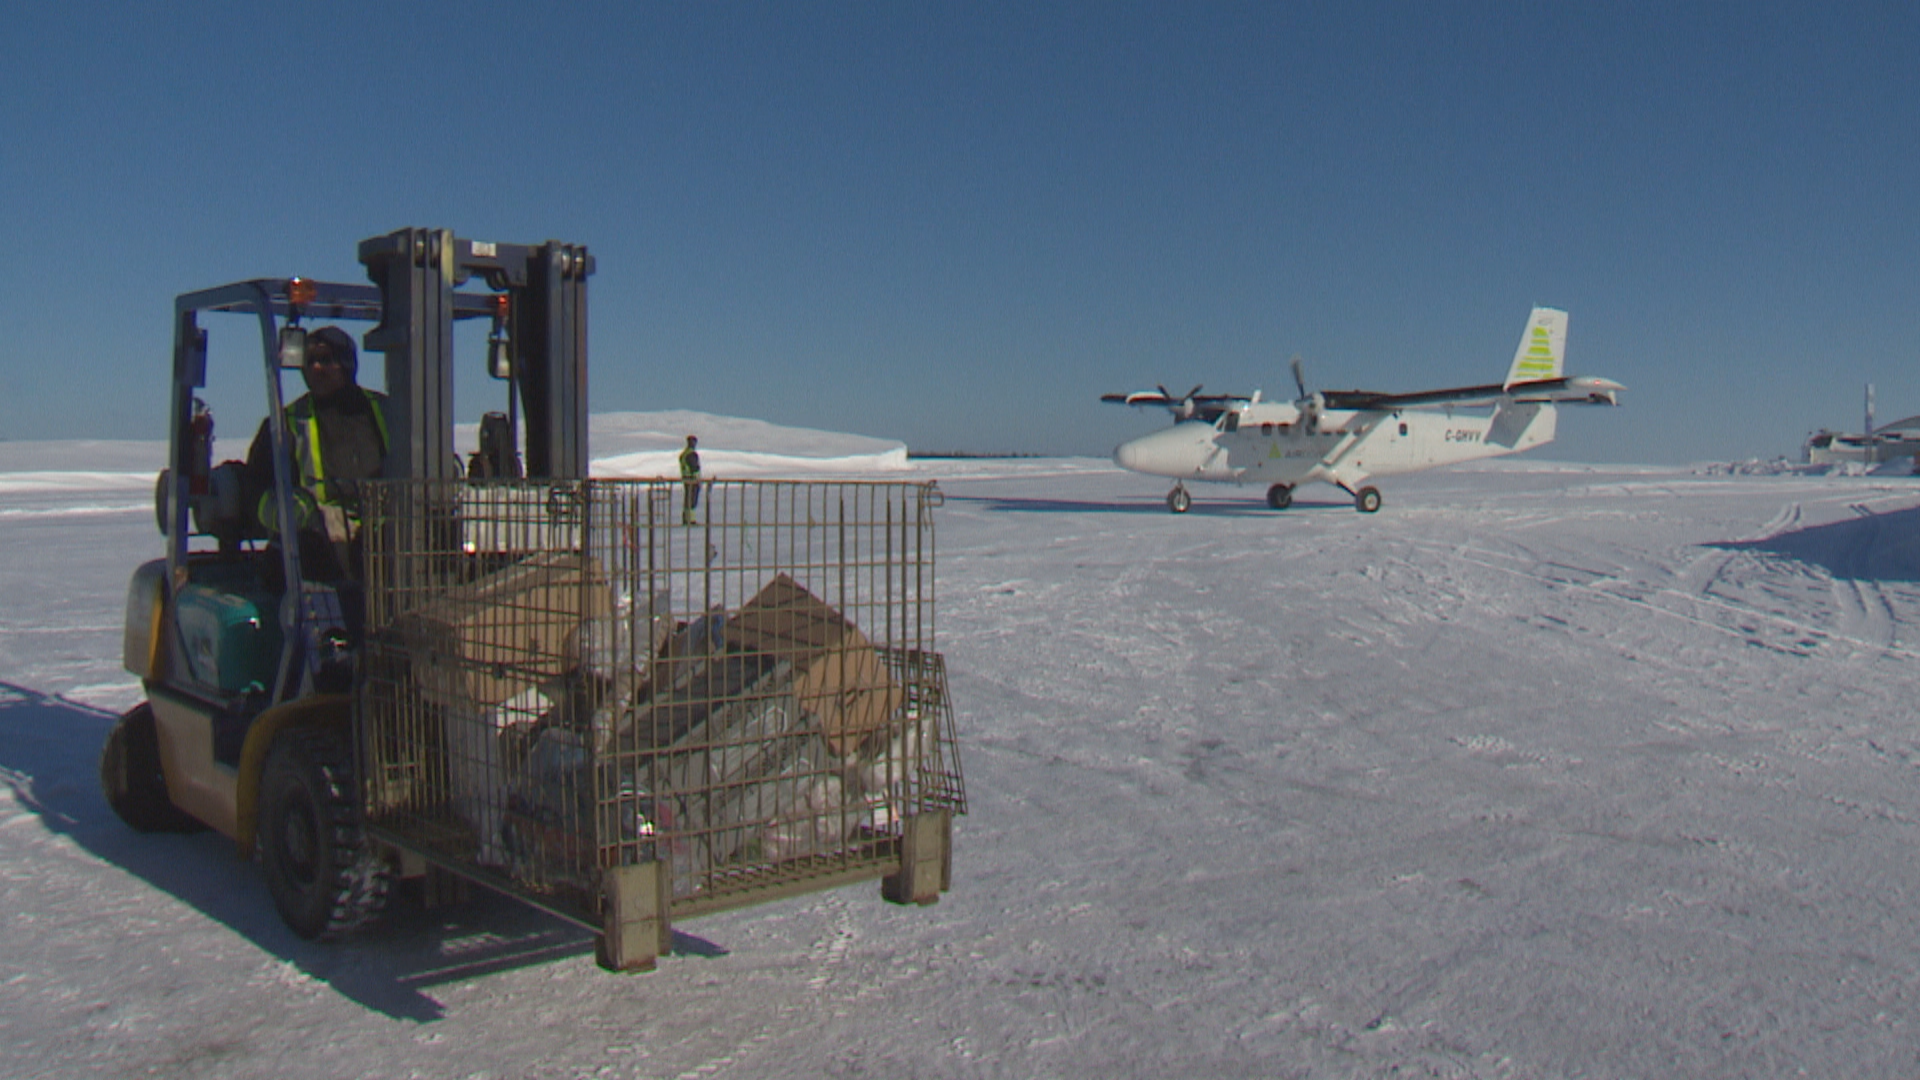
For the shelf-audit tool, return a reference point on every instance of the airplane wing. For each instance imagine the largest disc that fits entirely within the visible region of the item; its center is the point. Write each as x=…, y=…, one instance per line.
x=1195, y=405
x=1167, y=401
x=1577, y=390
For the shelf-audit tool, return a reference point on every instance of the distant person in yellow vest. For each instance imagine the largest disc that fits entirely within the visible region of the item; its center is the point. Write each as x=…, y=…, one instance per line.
x=338, y=432
x=690, y=477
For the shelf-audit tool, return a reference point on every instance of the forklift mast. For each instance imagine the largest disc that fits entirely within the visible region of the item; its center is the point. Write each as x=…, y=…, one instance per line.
x=545, y=321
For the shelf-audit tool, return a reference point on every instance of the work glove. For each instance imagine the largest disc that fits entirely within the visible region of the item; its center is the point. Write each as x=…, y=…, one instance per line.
x=306, y=511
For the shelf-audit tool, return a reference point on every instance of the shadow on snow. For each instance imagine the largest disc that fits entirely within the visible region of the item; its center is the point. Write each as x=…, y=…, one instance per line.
x=49, y=758
x=1869, y=547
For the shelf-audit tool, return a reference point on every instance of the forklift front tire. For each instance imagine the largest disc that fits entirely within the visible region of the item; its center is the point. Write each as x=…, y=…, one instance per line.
x=325, y=878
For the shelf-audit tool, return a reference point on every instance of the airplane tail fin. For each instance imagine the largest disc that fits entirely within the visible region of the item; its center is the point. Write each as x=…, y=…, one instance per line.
x=1543, y=348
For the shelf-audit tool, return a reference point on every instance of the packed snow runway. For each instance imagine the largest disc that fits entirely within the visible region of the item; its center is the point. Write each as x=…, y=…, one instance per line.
x=1543, y=771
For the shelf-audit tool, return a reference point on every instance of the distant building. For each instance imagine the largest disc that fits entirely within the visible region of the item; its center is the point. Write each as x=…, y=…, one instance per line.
x=1889, y=442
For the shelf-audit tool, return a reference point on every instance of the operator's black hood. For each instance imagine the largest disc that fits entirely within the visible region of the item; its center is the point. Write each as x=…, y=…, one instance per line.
x=340, y=344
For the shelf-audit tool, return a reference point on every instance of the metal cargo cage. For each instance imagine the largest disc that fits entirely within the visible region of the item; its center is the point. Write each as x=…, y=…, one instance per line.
x=572, y=694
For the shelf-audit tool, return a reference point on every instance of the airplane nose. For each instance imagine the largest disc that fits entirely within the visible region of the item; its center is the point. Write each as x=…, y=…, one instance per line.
x=1174, y=451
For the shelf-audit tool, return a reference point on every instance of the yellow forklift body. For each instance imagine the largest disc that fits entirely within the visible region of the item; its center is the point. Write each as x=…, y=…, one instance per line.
x=222, y=796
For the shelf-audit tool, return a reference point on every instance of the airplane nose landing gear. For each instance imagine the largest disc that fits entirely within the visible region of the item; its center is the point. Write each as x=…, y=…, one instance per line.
x=1280, y=496
x=1178, y=500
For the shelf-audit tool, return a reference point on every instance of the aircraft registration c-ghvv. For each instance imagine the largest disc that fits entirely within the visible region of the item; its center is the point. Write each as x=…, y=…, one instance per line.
x=1346, y=437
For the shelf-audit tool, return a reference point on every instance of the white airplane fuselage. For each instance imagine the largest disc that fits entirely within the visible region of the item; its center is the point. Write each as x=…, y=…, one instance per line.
x=1272, y=443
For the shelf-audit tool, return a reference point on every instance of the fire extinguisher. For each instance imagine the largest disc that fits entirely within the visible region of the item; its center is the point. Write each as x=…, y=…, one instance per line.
x=200, y=459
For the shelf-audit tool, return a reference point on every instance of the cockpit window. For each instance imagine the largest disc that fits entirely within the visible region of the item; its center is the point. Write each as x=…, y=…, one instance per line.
x=1229, y=421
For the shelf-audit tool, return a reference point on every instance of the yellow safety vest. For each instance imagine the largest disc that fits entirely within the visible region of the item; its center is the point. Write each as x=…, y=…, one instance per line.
x=304, y=426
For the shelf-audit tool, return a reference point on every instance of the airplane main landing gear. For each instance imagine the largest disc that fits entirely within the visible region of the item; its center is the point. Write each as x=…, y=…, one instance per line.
x=1178, y=500
x=1367, y=500
x=1280, y=496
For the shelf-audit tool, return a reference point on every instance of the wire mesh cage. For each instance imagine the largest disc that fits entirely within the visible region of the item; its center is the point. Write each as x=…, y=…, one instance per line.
x=733, y=679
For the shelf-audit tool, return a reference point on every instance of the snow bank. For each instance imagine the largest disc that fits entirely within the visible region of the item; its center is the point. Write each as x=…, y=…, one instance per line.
x=624, y=445
x=648, y=444
x=35, y=483
x=143, y=456
x=64, y=466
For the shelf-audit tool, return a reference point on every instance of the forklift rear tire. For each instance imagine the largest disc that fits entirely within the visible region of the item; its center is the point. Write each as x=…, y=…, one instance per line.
x=132, y=780
x=325, y=878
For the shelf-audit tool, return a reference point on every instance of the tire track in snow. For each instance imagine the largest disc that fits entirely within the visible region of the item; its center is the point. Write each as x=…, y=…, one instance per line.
x=1864, y=614
x=1709, y=567
x=1788, y=517
x=830, y=953
x=1644, y=598
x=1865, y=609
x=828, y=957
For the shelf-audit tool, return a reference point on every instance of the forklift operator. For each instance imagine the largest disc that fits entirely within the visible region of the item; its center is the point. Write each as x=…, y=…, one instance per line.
x=339, y=436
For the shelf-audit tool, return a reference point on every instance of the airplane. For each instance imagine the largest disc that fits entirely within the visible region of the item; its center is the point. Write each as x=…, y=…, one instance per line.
x=1347, y=437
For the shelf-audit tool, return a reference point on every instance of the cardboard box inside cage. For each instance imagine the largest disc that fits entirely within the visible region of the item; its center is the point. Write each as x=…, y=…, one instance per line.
x=838, y=674
x=482, y=642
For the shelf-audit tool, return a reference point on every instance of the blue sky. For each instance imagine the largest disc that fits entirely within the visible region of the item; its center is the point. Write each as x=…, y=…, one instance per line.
x=958, y=224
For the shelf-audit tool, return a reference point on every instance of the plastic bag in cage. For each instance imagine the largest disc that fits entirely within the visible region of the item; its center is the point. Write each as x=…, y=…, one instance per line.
x=556, y=826
x=886, y=776
x=477, y=765
x=811, y=820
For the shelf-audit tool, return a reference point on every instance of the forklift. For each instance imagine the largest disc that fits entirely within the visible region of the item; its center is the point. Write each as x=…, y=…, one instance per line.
x=249, y=656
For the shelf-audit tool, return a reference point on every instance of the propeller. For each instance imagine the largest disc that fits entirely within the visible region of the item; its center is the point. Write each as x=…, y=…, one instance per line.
x=1310, y=404
x=1182, y=406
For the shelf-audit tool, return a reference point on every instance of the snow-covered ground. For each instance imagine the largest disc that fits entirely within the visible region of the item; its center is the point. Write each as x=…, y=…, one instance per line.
x=1543, y=771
